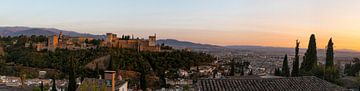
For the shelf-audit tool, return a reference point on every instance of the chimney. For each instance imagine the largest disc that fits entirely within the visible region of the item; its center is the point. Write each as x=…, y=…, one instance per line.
x=110, y=80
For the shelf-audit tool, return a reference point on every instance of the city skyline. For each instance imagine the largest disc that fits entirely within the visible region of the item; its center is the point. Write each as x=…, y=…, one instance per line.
x=230, y=22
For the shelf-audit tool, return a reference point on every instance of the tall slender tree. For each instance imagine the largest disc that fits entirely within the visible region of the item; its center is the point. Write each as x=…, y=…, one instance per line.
x=295, y=69
x=310, y=60
x=53, y=85
x=232, y=70
x=72, y=82
x=110, y=64
x=41, y=86
x=330, y=54
x=285, y=67
x=276, y=72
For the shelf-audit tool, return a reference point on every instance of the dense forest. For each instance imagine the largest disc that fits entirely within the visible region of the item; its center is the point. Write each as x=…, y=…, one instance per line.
x=69, y=64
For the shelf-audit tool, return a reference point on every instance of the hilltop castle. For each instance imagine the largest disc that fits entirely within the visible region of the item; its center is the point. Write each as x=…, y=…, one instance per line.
x=66, y=42
x=73, y=43
x=126, y=42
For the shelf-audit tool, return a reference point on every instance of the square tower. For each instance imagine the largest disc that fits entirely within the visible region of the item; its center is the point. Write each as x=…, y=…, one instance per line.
x=152, y=40
x=53, y=41
x=109, y=37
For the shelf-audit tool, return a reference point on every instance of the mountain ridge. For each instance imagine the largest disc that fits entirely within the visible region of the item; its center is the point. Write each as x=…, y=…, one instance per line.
x=28, y=31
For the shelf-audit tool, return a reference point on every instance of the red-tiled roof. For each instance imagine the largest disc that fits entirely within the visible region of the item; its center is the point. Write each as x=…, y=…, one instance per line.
x=307, y=83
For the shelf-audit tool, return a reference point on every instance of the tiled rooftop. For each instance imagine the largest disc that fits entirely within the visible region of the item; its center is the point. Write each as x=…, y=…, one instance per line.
x=306, y=83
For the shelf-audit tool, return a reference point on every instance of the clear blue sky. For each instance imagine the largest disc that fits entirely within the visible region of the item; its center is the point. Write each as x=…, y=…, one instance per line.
x=223, y=22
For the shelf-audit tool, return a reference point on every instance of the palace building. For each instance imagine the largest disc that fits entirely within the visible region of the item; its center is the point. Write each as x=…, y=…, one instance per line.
x=126, y=42
x=66, y=42
x=73, y=43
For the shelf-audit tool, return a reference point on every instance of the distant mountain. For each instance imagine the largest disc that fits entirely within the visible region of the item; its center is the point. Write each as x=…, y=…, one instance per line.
x=266, y=50
x=28, y=31
x=260, y=50
x=195, y=46
x=185, y=44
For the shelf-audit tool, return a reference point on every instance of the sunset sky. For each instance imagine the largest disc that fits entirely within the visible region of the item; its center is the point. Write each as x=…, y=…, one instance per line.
x=220, y=22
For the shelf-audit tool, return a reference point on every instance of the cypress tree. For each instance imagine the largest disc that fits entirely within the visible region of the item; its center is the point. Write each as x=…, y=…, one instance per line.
x=295, y=70
x=330, y=54
x=41, y=86
x=143, y=72
x=72, y=82
x=285, y=68
x=53, y=85
x=232, y=70
x=310, y=60
x=110, y=64
x=143, y=82
x=97, y=72
x=276, y=73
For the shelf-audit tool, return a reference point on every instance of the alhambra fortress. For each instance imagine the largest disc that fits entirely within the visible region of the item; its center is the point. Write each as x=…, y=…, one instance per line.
x=74, y=43
x=126, y=42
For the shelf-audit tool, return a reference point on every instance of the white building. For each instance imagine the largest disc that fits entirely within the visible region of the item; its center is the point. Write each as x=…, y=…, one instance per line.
x=122, y=86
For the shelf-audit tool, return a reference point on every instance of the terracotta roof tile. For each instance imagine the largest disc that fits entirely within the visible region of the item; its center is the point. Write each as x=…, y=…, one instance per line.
x=306, y=83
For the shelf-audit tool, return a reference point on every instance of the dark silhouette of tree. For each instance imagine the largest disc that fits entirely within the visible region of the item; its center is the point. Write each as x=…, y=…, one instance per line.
x=72, y=81
x=41, y=86
x=96, y=42
x=242, y=71
x=295, y=70
x=277, y=72
x=251, y=72
x=110, y=64
x=143, y=82
x=53, y=85
x=285, y=68
x=232, y=70
x=353, y=70
x=310, y=60
x=86, y=41
x=330, y=54
x=214, y=73
x=97, y=70
x=143, y=73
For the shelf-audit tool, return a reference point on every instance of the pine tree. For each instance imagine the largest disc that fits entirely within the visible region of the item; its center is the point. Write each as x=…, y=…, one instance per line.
x=310, y=60
x=285, y=67
x=330, y=54
x=295, y=70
